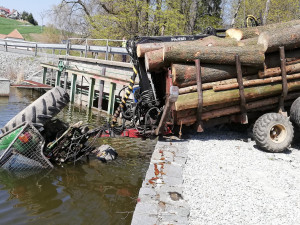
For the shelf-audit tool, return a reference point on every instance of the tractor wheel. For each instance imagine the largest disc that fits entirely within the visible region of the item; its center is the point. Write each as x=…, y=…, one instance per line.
x=295, y=112
x=273, y=132
x=41, y=110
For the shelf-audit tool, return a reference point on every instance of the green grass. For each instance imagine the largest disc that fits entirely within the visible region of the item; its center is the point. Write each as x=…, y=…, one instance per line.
x=8, y=25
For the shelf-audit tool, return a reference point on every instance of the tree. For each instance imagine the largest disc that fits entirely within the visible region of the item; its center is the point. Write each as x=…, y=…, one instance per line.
x=269, y=11
x=118, y=18
x=31, y=20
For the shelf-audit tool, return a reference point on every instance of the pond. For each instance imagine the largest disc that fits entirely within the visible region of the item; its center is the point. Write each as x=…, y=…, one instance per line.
x=89, y=192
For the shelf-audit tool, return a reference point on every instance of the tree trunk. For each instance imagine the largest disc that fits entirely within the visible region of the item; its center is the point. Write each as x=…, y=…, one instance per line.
x=289, y=38
x=272, y=72
x=207, y=41
x=208, y=86
x=189, y=116
x=189, y=101
x=264, y=22
x=184, y=75
x=249, y=41
x=256, y=82
x=154, y=60
x=251, y=32
x=249, y=55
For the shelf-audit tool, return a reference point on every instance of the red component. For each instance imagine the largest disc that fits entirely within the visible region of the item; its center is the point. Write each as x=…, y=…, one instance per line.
x=132, y=133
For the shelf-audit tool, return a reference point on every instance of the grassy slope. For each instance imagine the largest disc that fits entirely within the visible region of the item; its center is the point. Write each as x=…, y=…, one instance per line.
x=8, y=25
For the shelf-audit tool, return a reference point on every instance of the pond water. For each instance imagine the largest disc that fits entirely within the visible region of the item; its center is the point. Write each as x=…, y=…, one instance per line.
x=86, y=193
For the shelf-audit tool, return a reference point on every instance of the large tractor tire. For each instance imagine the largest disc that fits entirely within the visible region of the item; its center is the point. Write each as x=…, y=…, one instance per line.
x=295, y=112
x=41, y=110
x=273, y=132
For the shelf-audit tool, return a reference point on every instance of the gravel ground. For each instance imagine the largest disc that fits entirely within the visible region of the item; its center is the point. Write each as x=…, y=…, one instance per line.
x=230, y=181
x=16, y=66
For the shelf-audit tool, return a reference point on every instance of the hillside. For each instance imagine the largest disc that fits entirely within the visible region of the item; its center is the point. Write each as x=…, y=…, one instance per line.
x=8, y=25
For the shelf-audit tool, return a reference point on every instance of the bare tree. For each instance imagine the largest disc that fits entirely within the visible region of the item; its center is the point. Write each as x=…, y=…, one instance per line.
x=266, y=12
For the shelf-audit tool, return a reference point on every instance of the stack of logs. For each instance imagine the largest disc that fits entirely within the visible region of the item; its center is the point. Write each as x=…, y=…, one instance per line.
x=258, y=52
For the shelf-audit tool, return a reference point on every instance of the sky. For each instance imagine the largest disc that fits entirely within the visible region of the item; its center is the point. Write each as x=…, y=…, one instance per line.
x=36, y=7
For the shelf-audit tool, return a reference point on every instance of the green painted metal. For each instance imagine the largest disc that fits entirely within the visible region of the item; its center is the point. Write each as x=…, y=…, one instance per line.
x=73, y=87
x=91, y=93
x=57, y=80
x=111, y=100
x=44, y=75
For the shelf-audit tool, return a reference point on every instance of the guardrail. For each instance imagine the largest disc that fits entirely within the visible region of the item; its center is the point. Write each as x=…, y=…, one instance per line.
x=68, y=46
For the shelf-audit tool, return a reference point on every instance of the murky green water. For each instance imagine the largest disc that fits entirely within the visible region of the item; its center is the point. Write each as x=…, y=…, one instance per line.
x=85, y=193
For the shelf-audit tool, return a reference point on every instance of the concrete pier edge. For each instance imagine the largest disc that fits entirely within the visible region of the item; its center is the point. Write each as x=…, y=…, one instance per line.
x=161, y=199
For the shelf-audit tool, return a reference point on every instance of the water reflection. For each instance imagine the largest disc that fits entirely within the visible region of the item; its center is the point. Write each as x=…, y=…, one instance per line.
x=86, y=193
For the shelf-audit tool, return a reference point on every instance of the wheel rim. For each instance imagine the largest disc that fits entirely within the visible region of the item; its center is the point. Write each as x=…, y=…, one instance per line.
x=278, y=133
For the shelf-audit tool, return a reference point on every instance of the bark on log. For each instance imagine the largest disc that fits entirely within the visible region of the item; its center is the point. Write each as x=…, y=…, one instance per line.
x=184, y=75
x=273, y=59
x=189, y=116
x=189, y=101
x=249, y=41
x=251, y=32
x=272, y=72
x=207, y=41
x=255, y=82
x=211, y=85
x=249, y=55
x=289, y=38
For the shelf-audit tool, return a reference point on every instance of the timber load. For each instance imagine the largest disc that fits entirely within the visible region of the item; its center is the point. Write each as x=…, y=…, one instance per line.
x=251, y=69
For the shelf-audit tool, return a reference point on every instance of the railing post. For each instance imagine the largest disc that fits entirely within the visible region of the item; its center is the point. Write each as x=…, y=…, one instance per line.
x=52, y=74
x=66, y=81
x=6, y=46
x=86, y=46
x=111, y=101
x=106, y=53
x=35, y=53
x=44, y=75
x=57, y=80
x=100, y=97
x=91, y=93
x=73, y=87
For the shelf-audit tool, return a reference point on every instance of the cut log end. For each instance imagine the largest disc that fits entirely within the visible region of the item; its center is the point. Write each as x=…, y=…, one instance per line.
x=234, y=33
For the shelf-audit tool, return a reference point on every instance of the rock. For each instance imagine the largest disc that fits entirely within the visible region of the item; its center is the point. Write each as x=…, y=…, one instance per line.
x=105, y=153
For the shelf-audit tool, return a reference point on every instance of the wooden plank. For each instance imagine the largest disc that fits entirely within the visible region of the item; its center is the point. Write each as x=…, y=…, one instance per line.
x=111, y=101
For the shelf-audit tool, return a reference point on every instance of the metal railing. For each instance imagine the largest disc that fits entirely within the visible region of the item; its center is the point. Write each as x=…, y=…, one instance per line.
x=68, y=46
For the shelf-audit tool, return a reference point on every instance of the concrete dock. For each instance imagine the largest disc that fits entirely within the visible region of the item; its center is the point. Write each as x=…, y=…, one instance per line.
x=161, y=199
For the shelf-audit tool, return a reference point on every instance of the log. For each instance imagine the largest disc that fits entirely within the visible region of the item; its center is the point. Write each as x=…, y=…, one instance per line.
x=272, y=72
x=154, y=60
x=189, y=116
x=273, y=59
x=251, y=32
x=249, y=55
x=289, y=38
x=184, y=75
x=249, y=41
x=234, y=33
x=210, y=85
x=189, y=101
x=207, y=41
x=255, y=82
